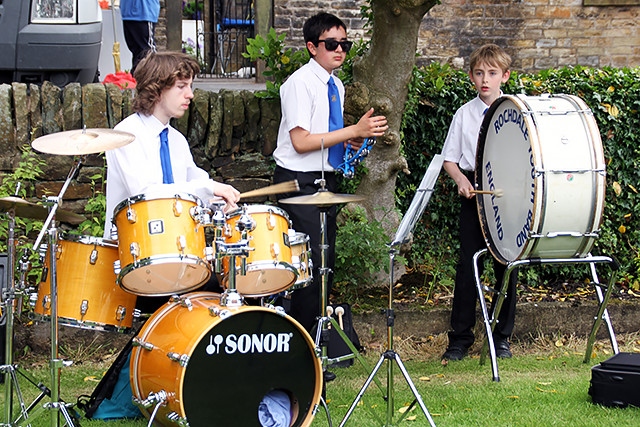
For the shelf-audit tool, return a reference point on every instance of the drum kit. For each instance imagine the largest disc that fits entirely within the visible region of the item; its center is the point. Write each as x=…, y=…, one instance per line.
x=170, y=245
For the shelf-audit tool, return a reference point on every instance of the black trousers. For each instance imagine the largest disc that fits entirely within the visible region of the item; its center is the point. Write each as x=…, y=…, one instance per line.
x=463, y=312
x=305, y=302
x=139, y=38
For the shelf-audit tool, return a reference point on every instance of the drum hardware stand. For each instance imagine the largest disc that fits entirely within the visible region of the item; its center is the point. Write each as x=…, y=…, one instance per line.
x=418, y=204
x=9, y=369
x=231, y=297
x=322, y=331
x=491, y=318
x=56, y=405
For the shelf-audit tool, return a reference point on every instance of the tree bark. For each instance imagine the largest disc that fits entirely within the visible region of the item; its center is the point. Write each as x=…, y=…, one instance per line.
x=381, y=80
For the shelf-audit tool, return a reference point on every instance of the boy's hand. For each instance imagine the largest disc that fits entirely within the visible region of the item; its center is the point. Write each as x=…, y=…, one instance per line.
x=369, y=126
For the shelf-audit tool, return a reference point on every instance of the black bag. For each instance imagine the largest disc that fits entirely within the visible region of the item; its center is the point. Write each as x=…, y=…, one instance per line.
x=615, y=382
x=336, y=346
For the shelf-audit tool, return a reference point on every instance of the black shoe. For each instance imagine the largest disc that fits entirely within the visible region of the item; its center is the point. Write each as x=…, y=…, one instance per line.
x=328, y=376
x=503, y=349
x=454, y=353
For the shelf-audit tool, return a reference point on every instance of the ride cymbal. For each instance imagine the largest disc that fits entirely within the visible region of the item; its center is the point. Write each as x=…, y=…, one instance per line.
x=26, y=209
x=322, y=198
x=82, y=141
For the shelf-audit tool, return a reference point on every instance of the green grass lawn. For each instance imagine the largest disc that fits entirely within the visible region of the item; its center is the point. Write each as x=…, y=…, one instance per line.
x=543, y=388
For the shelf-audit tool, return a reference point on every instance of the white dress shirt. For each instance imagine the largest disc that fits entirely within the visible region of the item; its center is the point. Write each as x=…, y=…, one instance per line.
x=136, y=169
x=305, y=103
x=462, y=138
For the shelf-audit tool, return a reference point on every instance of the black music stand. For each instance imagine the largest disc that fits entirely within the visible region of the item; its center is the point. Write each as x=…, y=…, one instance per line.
x=418, y=204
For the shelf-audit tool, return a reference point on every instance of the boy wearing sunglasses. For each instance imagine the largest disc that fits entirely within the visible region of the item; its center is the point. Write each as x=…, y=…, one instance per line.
x=304, y=139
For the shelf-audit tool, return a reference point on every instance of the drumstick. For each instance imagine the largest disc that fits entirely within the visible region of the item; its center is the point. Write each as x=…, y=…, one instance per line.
x=497, y=192
x=340, y=312
x=283, y=187
x=329, y=313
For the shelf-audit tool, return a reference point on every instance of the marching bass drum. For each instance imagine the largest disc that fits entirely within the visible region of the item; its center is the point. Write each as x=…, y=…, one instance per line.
x=202, y=364
x=543, y=157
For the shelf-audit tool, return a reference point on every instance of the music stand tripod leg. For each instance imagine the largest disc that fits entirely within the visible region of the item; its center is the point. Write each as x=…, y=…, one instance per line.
x=390, y=355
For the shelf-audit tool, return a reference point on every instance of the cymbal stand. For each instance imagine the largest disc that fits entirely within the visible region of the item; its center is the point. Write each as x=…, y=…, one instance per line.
x=56, y=405
x=9, y=368
x=418, y=204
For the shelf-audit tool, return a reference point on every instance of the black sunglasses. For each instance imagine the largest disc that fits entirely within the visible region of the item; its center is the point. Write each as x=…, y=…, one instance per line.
x=332, y=44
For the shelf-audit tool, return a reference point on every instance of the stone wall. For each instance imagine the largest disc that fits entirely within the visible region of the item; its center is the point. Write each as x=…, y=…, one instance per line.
x=539, y=34
x=231, y=133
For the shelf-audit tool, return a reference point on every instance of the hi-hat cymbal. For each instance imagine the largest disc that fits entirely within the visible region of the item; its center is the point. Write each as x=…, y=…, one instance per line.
x=26, y=209
x=322, y=198
x=82, y=141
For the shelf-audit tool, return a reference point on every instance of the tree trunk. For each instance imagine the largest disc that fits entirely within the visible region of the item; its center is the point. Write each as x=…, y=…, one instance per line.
x=381, y=80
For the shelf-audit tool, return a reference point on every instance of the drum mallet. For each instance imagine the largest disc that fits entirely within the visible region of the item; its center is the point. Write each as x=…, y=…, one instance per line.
x=497, y=192
x=329, y=313
x=340, y=312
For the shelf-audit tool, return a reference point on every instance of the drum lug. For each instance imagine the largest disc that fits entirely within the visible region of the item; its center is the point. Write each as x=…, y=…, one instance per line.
x=151, y=400
x=271, y=221
x=209, y=253
x=46, y=302
x=132, y=217
x=182, y=359
x=84, y=307
x=275, y=251
x=121, y=312
x=174, y=417
x=183, y=301
x=116, y=267
x=177, y=208
x=93, y=257
x=137, y=342
x=134, y=250
x=181, y=243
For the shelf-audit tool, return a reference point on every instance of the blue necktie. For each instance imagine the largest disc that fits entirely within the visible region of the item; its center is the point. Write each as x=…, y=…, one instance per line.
x=336, y=152
x=165, y=157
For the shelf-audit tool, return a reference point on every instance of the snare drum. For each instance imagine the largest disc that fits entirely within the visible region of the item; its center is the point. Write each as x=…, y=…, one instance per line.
x=545, y=156
x=207, y=364
x=269, y=265
x=88, y=296
x=161, y=245
x=301, y=259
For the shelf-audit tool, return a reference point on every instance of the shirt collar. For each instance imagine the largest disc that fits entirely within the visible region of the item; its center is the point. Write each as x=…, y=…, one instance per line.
x=319, y=71
x=154, y=125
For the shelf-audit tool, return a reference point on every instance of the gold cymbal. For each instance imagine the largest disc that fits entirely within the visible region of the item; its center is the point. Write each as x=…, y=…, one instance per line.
x=82, y=141
x=26, y=209
x=322, y=198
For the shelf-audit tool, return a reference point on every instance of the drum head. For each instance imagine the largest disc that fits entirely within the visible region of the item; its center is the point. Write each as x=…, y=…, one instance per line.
x=240, y=360
x=543, y=158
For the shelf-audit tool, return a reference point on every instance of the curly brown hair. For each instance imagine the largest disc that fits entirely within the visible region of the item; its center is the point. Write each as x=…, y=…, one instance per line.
x=159, y=71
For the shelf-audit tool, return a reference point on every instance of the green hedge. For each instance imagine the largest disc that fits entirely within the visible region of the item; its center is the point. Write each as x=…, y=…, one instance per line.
x=613, y=95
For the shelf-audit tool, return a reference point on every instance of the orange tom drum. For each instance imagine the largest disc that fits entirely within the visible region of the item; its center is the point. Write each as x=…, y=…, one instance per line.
x=88, y=296
x=269, y=264
x=161, y=244
x=202, y=364
x=301, y=258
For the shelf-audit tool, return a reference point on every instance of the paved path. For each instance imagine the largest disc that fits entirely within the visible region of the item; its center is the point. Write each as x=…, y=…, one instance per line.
x=215, y=85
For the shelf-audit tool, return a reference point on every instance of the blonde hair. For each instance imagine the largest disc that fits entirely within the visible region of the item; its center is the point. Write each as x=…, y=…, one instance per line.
x=490, y=54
